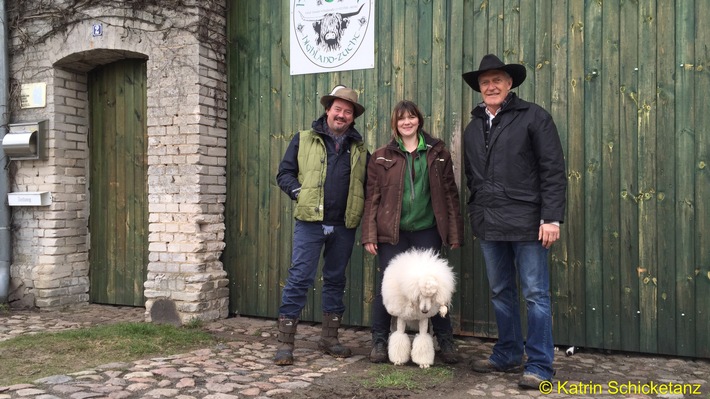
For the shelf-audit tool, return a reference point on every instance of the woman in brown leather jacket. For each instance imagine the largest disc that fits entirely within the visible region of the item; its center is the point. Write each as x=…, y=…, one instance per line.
x=411, y=201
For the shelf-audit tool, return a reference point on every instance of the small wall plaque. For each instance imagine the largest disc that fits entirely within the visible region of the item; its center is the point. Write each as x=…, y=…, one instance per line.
x=97, y=30
x=33, y=95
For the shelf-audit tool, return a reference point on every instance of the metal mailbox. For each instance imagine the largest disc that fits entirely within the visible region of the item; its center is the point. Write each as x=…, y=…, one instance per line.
x=30, y=198
x=25, y=140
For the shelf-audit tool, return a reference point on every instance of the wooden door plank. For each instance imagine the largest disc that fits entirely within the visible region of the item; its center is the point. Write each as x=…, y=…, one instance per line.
x=97, y=218
x=702, y=183
x=647, y=94
x=629, y=147
x=610, y=164
x=665, y=178
x=593, y=188
x=251, y=140
x=120, y=141
x=279, y=99
x=236, y=207
x=261, y=150
x=685, y=111
x=560, y=286
x=111, y=126
x=452, y=18
x=576, y=169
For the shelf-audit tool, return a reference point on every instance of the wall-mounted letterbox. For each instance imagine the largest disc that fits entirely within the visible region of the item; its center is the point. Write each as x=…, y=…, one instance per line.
x=25, y=140
x=30, y=198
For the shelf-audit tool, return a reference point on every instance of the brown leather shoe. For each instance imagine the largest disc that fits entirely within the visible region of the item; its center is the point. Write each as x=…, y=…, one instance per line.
x=530, y=381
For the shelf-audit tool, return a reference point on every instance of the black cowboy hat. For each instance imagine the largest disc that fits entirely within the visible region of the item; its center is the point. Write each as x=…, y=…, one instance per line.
x=489, y=63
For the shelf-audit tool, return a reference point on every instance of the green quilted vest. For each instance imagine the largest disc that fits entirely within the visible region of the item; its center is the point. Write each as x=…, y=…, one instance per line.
x=312, y=167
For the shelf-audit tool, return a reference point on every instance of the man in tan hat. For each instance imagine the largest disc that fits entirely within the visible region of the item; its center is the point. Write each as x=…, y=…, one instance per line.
x=323, y=170
x=515, y=169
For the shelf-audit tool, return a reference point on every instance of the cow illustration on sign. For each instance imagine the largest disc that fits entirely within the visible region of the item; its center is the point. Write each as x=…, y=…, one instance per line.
x=328, y=34
x=330, y=26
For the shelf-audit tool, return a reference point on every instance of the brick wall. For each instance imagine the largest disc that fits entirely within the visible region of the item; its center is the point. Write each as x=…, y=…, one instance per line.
x=186, y=156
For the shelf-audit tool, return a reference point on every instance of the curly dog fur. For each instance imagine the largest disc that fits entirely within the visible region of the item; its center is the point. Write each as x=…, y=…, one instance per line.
x=416, y=285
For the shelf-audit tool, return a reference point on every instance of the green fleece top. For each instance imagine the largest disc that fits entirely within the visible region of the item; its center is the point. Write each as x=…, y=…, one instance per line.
x=417, y=212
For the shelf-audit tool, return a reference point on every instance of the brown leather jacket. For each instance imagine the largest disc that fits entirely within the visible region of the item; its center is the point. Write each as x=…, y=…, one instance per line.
x=385, y=185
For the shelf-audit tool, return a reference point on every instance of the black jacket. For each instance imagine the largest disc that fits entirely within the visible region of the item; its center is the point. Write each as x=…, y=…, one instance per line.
x=520, y=178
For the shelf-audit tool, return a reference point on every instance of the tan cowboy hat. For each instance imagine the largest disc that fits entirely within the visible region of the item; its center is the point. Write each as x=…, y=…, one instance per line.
x=343, y=93
x=489, y=63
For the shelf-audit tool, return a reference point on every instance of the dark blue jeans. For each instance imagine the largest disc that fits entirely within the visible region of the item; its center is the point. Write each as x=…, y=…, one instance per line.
x=308, y=241
x=381, y=320
x=531, y=260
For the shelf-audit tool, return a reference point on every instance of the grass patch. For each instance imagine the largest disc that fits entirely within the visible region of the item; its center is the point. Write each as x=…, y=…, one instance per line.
x=195, y=323
x=410, y=378
x=29, y=357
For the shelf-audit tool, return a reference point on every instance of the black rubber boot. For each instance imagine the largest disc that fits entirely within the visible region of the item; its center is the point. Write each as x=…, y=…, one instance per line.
x=329, y=337
x=287, y=336
x=448, y=352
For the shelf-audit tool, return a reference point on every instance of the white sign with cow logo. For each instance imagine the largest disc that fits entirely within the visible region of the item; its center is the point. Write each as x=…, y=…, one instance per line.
x=332, y=35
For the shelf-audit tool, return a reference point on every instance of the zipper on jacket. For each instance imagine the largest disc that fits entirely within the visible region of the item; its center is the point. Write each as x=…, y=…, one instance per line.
x=486, y=131
x=410, y=171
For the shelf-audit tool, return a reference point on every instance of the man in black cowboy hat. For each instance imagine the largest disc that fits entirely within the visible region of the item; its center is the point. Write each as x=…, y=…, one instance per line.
x=323, y=170
x=516, y=177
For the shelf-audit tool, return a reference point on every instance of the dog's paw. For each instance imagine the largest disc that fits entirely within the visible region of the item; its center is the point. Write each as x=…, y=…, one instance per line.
x=423, y=366
x=443, y=310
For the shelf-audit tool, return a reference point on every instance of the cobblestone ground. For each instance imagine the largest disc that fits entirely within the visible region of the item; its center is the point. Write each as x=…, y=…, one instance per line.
x=241, y=367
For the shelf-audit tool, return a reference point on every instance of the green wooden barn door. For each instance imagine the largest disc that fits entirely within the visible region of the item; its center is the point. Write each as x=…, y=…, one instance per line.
x=118, y=219
x=625, y=82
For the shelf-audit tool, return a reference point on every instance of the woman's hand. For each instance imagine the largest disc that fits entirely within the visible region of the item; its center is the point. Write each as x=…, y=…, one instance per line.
x=371, y=247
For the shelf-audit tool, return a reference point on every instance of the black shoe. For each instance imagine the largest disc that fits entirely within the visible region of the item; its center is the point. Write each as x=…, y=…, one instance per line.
x=284, y=355
x=448, y=352
x=333, y=347
x=379, y=352
x=486, y=366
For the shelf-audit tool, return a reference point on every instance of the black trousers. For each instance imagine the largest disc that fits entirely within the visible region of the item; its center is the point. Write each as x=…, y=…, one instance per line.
x=426, y=239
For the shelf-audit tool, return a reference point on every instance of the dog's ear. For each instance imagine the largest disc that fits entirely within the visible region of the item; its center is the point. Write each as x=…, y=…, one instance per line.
x=441, y=298
x=443, y=293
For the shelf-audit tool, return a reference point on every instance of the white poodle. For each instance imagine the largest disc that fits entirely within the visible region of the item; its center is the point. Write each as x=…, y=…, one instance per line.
x=416, y=285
